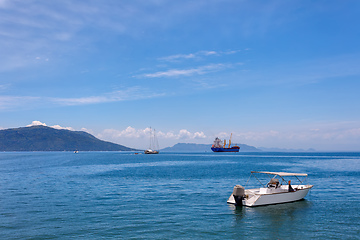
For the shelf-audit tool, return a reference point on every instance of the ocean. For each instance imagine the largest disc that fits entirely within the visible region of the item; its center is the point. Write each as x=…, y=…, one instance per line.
x=121, y=195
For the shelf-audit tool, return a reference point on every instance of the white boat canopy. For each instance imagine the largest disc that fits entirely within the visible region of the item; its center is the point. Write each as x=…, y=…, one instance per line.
x=282, y=174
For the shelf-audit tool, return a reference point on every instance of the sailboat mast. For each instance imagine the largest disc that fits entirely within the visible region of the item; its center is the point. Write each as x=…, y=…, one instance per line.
x=150, y=146
x=153, y=143
x=156, y=143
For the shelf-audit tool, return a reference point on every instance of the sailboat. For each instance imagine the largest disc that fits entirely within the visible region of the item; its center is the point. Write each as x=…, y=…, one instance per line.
x=153, y=144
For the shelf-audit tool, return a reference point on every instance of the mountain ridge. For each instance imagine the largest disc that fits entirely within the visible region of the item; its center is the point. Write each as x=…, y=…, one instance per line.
x=43, y=138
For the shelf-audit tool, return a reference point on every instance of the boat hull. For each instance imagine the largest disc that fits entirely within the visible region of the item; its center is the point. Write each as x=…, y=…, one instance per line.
x=261, y=199
x=149, y=151
x=232, y=149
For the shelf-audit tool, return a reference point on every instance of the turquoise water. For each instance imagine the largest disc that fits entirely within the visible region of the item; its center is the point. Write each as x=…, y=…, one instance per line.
x=113, y=195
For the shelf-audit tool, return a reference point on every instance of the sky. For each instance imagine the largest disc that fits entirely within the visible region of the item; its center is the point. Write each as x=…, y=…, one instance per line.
x=283, y=74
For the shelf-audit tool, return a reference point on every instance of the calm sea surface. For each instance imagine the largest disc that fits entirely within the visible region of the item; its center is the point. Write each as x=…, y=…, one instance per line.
x=113, y=195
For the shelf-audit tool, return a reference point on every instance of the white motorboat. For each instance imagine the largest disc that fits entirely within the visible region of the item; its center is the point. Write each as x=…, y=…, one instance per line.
x=277, y=190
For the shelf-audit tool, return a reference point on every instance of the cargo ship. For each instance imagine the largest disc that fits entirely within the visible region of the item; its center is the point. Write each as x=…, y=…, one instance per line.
x=219, y=146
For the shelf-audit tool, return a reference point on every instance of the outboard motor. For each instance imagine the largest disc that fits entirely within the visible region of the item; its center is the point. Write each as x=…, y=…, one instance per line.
x=239, y=194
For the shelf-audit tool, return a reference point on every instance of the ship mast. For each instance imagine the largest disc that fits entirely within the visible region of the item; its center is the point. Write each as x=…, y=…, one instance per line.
x=230, y=140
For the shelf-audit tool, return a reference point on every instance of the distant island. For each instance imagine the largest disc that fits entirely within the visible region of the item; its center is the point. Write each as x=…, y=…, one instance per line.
x=193, y=147
x=43, y=138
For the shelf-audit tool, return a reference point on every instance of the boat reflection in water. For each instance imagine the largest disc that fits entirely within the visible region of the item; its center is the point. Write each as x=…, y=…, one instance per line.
x=277, y=220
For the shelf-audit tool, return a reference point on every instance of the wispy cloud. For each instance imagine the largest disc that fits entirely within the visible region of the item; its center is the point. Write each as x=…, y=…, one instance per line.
x=197, y=55
x=28, y=28
x=130, y=94
x=82, y=100
x=184, y=59
x=179, y=56
x=189, y=72
x=4, y=86
x=134, y=93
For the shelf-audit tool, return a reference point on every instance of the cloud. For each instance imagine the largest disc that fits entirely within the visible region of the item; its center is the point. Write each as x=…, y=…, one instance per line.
x=189, y=72
x=28, y=28
x=38, y=123
x=178, y=56
x=197, y=55
x=87, y=130
x=59, y=127
x=131, y=132
x=133, y=93
x=201, y=70
x=198, y=135
x=185, y=134
x=258, y=136
x=26, y=102
x=81, y=100
x=209, y=53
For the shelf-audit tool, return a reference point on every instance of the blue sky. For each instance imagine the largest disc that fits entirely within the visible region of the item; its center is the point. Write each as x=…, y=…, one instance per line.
x=274, y=73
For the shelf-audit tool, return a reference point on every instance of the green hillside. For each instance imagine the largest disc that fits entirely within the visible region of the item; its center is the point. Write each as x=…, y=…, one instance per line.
x=42, y=138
